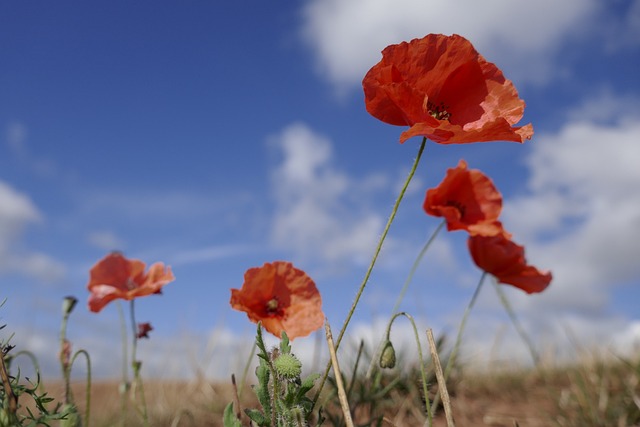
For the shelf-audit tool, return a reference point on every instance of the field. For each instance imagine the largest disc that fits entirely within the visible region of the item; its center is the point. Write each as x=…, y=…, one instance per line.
x=591, y=393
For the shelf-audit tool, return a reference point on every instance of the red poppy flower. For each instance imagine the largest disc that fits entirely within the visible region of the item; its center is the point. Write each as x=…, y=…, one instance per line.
x=468, y=200
x=444, y=90
x=504, y=259
x=282, y=297
x=116, y=277
x=144, y=329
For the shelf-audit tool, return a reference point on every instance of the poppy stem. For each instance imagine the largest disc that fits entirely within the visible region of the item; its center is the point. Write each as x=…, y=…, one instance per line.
x=414, y=267
x=124, y=385
x=245, y=372
x=516, y=323
x=373, y=262
x=64, y=362
x=87, y=416
x=403, y=291
x=456, y=346
x=136, y=365
x=421, y=361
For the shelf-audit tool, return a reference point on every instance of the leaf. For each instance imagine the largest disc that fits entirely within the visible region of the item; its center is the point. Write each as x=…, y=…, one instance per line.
x=262, y=389
x=257, y=417
x=285, y=347
x=229, y=419
x=308, y=383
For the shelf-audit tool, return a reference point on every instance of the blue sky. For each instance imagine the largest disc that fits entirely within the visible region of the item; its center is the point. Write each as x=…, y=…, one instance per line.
x=216, y=138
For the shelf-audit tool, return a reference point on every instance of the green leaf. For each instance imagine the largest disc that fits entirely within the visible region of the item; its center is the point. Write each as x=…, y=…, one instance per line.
x=308, y=383
x=257, y=417
x=285, y=347
x=262, y=389
x=260, y=343
x=229, y=418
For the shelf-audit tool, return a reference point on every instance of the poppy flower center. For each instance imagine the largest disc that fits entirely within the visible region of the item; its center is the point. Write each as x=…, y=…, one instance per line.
x=458, y=205
x=131, y=285
x=438, y=111
x=273, y=307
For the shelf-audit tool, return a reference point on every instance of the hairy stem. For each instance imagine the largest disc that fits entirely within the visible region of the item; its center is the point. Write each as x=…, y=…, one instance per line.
x=376, y=253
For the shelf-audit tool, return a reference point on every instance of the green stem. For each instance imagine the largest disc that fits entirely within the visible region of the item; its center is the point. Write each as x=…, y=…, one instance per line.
x=124, y=385
x=246, y=369
x=420, y=361
x=371, y=265
x=88, y=392
x=405, y=286
x=456, y=346
x=65, y=365
x=414, y=267
x=136, y=365
x=463, y=324
x=516, y=323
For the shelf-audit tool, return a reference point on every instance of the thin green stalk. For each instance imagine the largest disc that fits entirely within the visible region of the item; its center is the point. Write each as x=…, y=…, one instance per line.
x=246, y=369
x=371, y=265
x=67, y=307
x=136, y=365
x=516, y=323
x=124, y=385
x=463, y=323
x=456, y=346
x=34, y=361
x=420, y=361
x=414, y=267
x=88, y=391
x=405, y=286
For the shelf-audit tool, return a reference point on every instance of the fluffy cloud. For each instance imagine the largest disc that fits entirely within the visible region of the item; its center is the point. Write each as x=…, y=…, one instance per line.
x=584, y=201
x=320, y=211
x=106, y=240
x=17, y=211
x=522, y=36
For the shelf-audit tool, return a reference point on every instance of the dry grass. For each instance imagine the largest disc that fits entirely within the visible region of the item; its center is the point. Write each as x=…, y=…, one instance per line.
x=592, y=393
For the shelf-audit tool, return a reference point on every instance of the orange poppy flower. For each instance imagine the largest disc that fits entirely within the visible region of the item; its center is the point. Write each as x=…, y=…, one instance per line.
x=282, y=297
x=504, y=259
x=468, y=200
x=116, y=277
x=444, y=90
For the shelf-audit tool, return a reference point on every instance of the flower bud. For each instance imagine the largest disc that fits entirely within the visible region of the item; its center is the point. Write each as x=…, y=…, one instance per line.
x=288, y=366
x=68, y=304
x=388, y=356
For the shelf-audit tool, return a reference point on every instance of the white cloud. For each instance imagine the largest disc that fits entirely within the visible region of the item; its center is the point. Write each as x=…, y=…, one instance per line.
x=584, y=209
x=205, y=254
x=16, y=134
x=17, y=211
x=520, y=35
x=106, y=240
x=320, y=211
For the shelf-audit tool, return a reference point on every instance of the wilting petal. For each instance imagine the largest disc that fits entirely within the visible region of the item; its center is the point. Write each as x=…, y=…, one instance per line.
x=504, y=259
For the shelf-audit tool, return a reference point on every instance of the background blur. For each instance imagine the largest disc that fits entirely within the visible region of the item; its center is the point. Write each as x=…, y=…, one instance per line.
x=218, y=136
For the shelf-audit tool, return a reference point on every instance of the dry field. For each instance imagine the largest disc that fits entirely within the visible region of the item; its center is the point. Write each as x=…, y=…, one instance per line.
x=590, y=394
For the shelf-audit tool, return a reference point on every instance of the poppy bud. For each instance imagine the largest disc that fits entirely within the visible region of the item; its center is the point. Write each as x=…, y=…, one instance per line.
x=288, y=366
x=388, y=356
x=68, y=304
